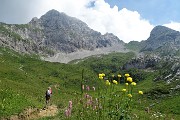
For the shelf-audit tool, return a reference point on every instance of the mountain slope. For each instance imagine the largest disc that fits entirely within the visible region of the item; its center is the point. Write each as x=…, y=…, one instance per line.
x=25, y=78
x=54, y=33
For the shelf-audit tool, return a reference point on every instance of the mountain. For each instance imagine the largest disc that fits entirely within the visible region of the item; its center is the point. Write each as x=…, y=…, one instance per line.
x=163, y=41
x=24, y=78
x=69, y=34
x=61, y=38
x=54, y=33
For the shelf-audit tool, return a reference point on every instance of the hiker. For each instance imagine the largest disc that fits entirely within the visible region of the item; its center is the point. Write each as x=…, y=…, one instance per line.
x=48, y=95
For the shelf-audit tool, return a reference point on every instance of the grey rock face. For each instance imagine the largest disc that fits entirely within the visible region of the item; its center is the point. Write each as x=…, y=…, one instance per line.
x=163, y=40
x=69, y=34
x=172, y=72
x=142, y=62
x=22, y=38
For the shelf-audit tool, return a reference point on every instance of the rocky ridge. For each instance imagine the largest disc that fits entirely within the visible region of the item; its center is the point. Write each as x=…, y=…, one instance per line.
x=54, y=33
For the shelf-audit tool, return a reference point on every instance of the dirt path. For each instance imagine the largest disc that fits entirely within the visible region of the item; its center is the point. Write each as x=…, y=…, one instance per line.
x=34, y=113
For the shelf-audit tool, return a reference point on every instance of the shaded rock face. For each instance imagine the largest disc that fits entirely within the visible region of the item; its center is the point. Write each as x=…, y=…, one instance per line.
x=54, y=32
x=163, y=40
x=142, y=62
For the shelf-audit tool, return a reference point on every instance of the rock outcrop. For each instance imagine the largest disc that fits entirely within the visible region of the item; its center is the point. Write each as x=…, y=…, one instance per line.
x=142, y=62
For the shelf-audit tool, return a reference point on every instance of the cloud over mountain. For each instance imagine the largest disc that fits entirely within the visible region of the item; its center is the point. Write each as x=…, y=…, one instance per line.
x=128, y=25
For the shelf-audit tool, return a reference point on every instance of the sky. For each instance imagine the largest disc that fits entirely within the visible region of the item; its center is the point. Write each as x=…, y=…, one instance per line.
x=127, y=19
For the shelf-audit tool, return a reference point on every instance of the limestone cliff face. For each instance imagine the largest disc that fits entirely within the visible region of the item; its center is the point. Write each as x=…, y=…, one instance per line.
x=52, y=33
x=69, y=34
x=22, y=38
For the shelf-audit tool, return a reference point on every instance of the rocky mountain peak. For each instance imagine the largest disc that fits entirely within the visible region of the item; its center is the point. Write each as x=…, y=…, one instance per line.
x=53, y=12
x=68, y=34
x=162, y=30
x=53, y=17
x=163, y=40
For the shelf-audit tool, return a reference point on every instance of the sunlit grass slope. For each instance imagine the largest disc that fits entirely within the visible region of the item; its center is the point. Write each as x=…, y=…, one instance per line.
x=24, y=79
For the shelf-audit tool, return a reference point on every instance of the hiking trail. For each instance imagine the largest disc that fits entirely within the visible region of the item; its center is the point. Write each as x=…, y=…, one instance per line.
x=34, y=113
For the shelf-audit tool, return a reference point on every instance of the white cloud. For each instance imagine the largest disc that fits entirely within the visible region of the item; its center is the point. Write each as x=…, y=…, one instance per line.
x=127, y=25
x=173, y=25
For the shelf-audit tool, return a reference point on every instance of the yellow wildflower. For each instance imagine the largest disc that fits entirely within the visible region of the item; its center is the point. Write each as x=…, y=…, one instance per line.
x=127, y=75
x=119, y=75
x=133, y=83
x=126, y=84
x=115, y=82
x=129, y=95
x=141, y=92
x=107, y=82
x=124, y=90
x=129, y=79
x=100, y=77
x=112, y=75
x=103, y=74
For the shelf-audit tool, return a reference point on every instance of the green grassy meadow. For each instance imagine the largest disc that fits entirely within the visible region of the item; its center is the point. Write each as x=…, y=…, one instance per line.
x=25, y=78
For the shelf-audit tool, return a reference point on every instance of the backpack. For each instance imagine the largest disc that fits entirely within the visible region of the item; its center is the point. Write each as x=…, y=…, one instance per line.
x=48, y=92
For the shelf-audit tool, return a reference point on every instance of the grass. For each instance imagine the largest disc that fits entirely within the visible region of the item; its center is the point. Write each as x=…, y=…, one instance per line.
x=106, y=63
x=134, y=45
x=24, y=79
x=29, y=77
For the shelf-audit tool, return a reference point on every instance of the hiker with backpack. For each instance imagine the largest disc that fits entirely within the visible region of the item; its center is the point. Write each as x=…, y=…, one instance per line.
x=48, y=95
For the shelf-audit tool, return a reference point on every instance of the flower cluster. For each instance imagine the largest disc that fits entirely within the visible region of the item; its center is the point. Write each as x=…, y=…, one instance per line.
x=107, y=82
x=68, y=110
x=110, y=102
x=101, y=76
x=124, y=90
x=141, y=92
x=88, y=88
x=129, y=95
x=115, y=82
x=127, y=75
x=133, y=83
x=119, y=75
x=129, y=79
